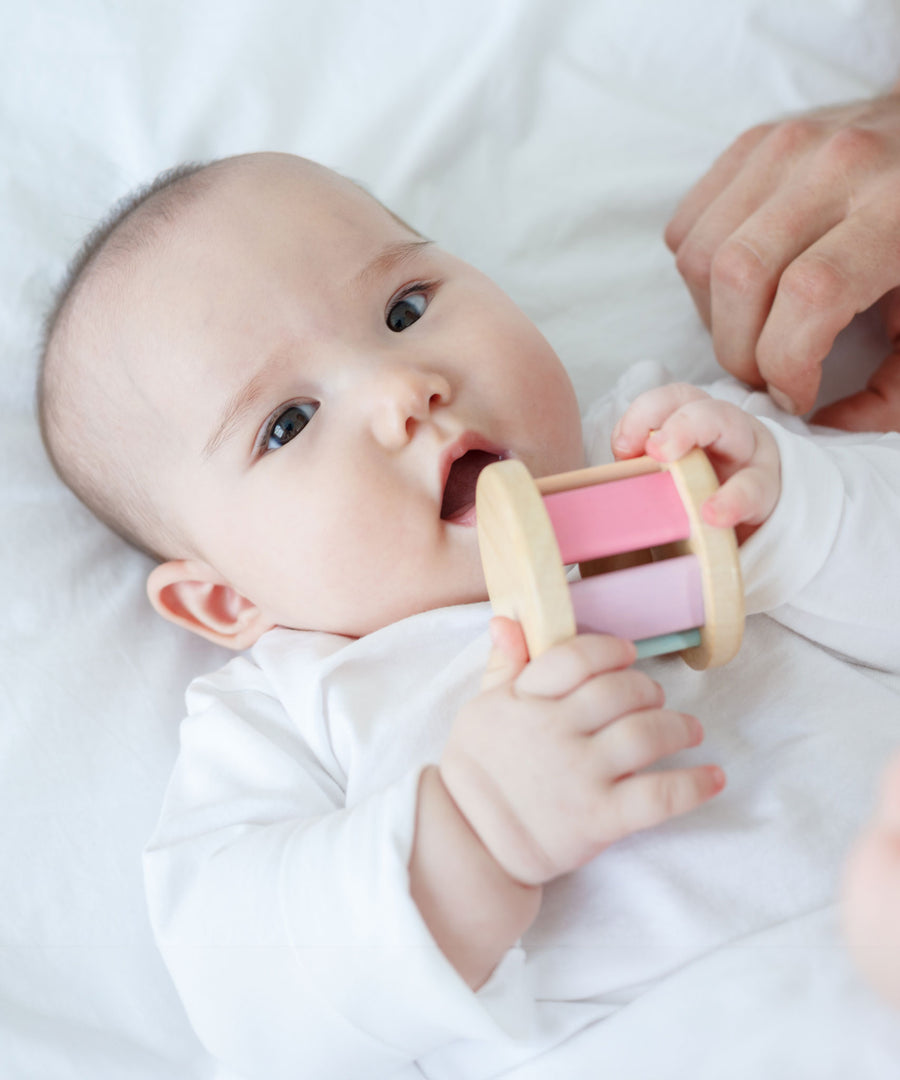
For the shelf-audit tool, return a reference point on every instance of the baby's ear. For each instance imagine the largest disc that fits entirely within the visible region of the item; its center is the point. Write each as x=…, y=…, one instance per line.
x=192, y=594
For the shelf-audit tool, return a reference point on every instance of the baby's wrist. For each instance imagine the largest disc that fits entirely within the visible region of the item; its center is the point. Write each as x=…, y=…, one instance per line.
x=473, y=908
x=484, y=835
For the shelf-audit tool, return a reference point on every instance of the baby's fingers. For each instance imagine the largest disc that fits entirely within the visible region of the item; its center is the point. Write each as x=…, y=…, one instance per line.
x=648, y=412
x=651, y=798
x=717, y=426
x=747, y=498
x=562, y=669
x=644, y=738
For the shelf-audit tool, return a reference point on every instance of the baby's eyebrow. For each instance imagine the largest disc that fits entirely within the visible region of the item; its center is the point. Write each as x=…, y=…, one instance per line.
x=237, y=407
x=389, y=258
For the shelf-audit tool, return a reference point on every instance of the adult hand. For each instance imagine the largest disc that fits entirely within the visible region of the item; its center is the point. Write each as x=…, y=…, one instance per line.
x=793, y=231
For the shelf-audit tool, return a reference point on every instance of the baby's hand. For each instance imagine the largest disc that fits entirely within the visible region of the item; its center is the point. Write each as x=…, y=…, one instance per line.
x=667, y=422
x=545, y=763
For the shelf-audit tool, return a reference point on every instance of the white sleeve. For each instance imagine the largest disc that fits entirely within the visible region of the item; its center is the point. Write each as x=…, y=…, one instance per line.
x=825, y=564
x=285, y=919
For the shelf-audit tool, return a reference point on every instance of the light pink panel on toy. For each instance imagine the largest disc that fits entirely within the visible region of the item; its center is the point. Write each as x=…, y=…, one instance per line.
x=642, y=601
x=620, y=515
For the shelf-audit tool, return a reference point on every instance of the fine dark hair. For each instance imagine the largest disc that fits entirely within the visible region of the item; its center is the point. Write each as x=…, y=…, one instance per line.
x=131, y=225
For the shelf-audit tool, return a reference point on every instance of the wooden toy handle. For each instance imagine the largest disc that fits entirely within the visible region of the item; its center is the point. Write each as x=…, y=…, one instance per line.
x=720, y=568
x=522, y=565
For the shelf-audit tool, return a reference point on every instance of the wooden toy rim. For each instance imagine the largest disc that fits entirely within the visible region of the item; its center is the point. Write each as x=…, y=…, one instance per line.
x=523, y=566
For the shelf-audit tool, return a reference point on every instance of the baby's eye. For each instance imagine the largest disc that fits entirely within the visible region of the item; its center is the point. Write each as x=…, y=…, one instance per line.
x=289, y=423
x=407, y=310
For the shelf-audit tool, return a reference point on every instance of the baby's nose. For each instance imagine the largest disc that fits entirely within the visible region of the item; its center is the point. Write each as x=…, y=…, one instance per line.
x=406, y=396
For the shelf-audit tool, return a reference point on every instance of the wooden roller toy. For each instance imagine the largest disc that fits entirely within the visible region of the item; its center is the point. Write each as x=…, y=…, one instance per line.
x=651, y=569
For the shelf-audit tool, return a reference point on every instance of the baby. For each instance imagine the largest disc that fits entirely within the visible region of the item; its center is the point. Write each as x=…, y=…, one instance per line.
x=368, y=864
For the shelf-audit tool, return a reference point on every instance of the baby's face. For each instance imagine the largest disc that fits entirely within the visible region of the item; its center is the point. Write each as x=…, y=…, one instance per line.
x=328, y=385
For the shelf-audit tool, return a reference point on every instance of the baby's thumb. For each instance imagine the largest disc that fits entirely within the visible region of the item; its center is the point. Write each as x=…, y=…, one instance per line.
x=508, y=655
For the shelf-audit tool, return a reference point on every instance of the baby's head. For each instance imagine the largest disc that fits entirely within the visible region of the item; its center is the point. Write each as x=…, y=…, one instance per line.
x=264, y=378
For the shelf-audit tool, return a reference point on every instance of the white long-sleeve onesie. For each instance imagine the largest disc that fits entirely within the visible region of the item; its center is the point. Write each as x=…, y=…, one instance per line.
x=277, y=876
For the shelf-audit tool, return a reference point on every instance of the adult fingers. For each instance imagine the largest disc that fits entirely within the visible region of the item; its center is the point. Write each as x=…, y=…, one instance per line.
x=843, y=273
x=711, y=184
x=766, y=158
x=875, y=408
x=747, y=266
x=889, y=307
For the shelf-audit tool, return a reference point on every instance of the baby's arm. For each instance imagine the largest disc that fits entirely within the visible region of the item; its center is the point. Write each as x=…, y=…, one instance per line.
x=542, y=770
x=668, y=421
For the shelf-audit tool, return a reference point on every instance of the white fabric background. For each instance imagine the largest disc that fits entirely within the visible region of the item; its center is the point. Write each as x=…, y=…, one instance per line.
x=546, y=141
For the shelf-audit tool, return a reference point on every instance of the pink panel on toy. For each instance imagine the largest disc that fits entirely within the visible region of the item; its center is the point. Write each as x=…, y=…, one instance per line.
x=620, y=515
x=642, y=601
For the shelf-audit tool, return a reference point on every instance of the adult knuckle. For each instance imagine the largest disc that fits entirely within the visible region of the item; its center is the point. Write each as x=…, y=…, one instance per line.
x=674, y=233
x=738, y=267
x=694, y=262
x=747, y=140
x=792, y=136
x=813, y=282
x=852, y=149
x=888, y=192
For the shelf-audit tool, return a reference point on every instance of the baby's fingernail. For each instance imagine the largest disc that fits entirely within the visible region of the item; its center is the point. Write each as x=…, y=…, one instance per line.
x=717, y=778
x=711, y=512
x=781, y=399
x=619, y=442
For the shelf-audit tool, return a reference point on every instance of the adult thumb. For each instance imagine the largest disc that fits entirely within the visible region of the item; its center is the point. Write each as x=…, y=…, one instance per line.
x=876, y=408
x=508, y=655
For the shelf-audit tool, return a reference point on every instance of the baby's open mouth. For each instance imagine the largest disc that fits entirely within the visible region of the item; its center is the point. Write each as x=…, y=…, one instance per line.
x=458, y=504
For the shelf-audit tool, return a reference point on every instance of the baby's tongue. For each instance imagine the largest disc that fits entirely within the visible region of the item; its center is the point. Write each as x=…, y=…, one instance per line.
x=459, y=494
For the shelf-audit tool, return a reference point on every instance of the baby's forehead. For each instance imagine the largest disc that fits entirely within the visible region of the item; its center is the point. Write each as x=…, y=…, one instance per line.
x=161, y=232
x=263, y=184
x=256, y=185
x=213, y=244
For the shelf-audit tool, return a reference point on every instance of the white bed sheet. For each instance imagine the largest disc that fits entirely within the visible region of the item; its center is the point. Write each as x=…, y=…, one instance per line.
x=547, y=141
